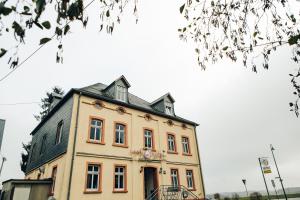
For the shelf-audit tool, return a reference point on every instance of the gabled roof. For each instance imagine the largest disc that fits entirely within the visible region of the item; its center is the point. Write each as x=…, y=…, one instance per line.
x=98, y=91
x=163, y=97
x=120, y=78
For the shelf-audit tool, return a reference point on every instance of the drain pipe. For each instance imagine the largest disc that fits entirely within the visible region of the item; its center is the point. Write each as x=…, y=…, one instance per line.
x=73, y=150
x=200, y=168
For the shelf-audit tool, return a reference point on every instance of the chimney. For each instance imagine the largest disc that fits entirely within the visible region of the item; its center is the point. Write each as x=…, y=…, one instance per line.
x=56, y=98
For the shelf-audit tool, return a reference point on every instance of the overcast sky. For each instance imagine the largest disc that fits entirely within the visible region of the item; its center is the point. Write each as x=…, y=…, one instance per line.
x=240, y=113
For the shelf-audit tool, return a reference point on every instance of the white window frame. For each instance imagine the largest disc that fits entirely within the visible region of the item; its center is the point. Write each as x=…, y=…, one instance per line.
x=95, y=127
x=190, y=179
x=119, y=174
x=148, y=138
x=171, y=143
x=174, y=177
x=93, y=173
x=59, y=131
x=121, y=93
x=169, y=109
x=186, y=145
x=120, y=132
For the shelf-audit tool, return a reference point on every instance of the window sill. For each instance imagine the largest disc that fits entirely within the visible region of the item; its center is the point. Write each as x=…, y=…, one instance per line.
x=119, y=191
x=120, y=145
x=186, y=154
x=172, y=152
x=154, y=150
x=92, y=192
x=95, y=142
x=191, y=189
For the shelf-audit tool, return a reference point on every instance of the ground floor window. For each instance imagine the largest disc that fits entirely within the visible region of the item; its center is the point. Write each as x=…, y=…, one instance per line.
x=120, y=178
x=93, y=178
x=174, y=177
x=190, y=179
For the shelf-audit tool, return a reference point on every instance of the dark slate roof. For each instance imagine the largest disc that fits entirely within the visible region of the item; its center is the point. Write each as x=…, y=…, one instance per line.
x=96, y=91
x=29, y=181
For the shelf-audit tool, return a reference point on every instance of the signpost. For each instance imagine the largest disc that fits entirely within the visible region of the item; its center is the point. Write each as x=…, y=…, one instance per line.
x=2, y=124
x=274, y=186
x=244, y=181
x=265, y=169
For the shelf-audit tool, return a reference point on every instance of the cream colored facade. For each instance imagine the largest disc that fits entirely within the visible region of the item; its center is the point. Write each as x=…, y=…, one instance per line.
x=132, y=156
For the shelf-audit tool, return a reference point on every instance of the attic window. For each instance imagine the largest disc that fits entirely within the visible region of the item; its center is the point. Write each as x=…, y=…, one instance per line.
x=121, y=93
x=169, y=109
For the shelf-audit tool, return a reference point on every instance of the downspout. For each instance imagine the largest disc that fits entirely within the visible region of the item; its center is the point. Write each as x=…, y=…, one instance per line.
x=73, y=150
x=200, y=168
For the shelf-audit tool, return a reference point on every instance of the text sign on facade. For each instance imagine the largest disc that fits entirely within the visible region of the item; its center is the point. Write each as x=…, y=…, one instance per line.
x=265, y=166
x=147, y=154
x=2, y=124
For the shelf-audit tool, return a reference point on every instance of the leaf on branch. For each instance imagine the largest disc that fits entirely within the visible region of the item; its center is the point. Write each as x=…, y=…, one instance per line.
x=291, y=104
x=46, y=24
x=225, y=48
x=4, y=10
x=58, y=31
x=44, y=40
x=181, y=8
x=293, y=39
x=107, y=13
x=254, y=34
x=19, y=31
x=38, y=25
x=3, y=52
x=66, y=30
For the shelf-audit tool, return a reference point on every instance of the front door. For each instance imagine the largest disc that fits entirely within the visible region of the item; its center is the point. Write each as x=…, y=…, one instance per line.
x=150, y=183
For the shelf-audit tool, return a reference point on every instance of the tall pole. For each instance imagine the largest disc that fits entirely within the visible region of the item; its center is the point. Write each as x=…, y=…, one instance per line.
x=244, y=181
x=3, y=160
x=264, y=178
x=274, y=186
x=280, y=179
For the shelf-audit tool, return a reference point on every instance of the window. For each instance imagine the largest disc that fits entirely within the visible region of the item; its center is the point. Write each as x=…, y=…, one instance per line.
x=43, y=145
x=186, y=145
x=174, y=178
x=120, y=179
x=96, y=130
x=190, y=179
x=32, y=153
x=53, y=176
x=121, y=93
x=169, y=109
x=120, y=134
x=171, y=143
x=148, y=139
x=59, y=132
x=93, y=178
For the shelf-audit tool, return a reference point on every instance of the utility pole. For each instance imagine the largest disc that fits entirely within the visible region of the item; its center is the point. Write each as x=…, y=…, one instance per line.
x=280, y=179
x=274, y=186
x=244, y=181
x=3, y=160
x=264, y=178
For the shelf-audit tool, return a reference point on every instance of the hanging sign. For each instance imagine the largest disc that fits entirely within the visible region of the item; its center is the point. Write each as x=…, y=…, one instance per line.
x=265, y=165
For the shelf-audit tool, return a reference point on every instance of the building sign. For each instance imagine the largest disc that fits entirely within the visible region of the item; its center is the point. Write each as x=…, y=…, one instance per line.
x=2, y=124
x=265, y=166
x=147, y=154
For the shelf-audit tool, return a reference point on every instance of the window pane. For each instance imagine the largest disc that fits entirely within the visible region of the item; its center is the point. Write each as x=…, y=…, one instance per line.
x=121, y=181
x=116, y=181
x=89, y=181
x=98, y=134
x=95, y=182
x=92, y=135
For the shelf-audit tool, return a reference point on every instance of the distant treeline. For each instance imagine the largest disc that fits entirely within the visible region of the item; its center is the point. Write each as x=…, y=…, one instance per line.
x=253, y=196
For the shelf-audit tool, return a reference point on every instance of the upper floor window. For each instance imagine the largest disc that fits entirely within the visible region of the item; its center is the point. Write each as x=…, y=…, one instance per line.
x=53, y=176
x=120, y=178
x=174, y=177
x=121, y=93
x=171, y=143
x=148, y=139
x=190, y=179
x=59, y=130
x=169, y=109
x=43, y=145
x=120, y=134
x=186, y=145
x=96, y=130
x=93, y=178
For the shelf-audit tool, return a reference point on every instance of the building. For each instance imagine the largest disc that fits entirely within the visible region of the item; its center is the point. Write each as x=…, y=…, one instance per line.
x=102, y=142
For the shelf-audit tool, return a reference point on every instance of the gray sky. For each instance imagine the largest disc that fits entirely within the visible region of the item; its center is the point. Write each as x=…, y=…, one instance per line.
x=240, y=112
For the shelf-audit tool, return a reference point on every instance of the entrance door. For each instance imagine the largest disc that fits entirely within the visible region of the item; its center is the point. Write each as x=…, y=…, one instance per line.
x=150, y=183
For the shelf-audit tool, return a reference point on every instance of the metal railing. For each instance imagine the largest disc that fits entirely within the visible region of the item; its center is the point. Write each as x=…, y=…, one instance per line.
x=169, y=192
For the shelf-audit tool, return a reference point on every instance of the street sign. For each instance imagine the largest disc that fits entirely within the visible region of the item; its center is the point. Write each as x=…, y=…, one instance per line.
x=2, y=124
x=265, y=165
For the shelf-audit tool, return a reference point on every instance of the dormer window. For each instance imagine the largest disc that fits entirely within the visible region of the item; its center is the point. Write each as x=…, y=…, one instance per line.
x=169, y=110
x=121, y=93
